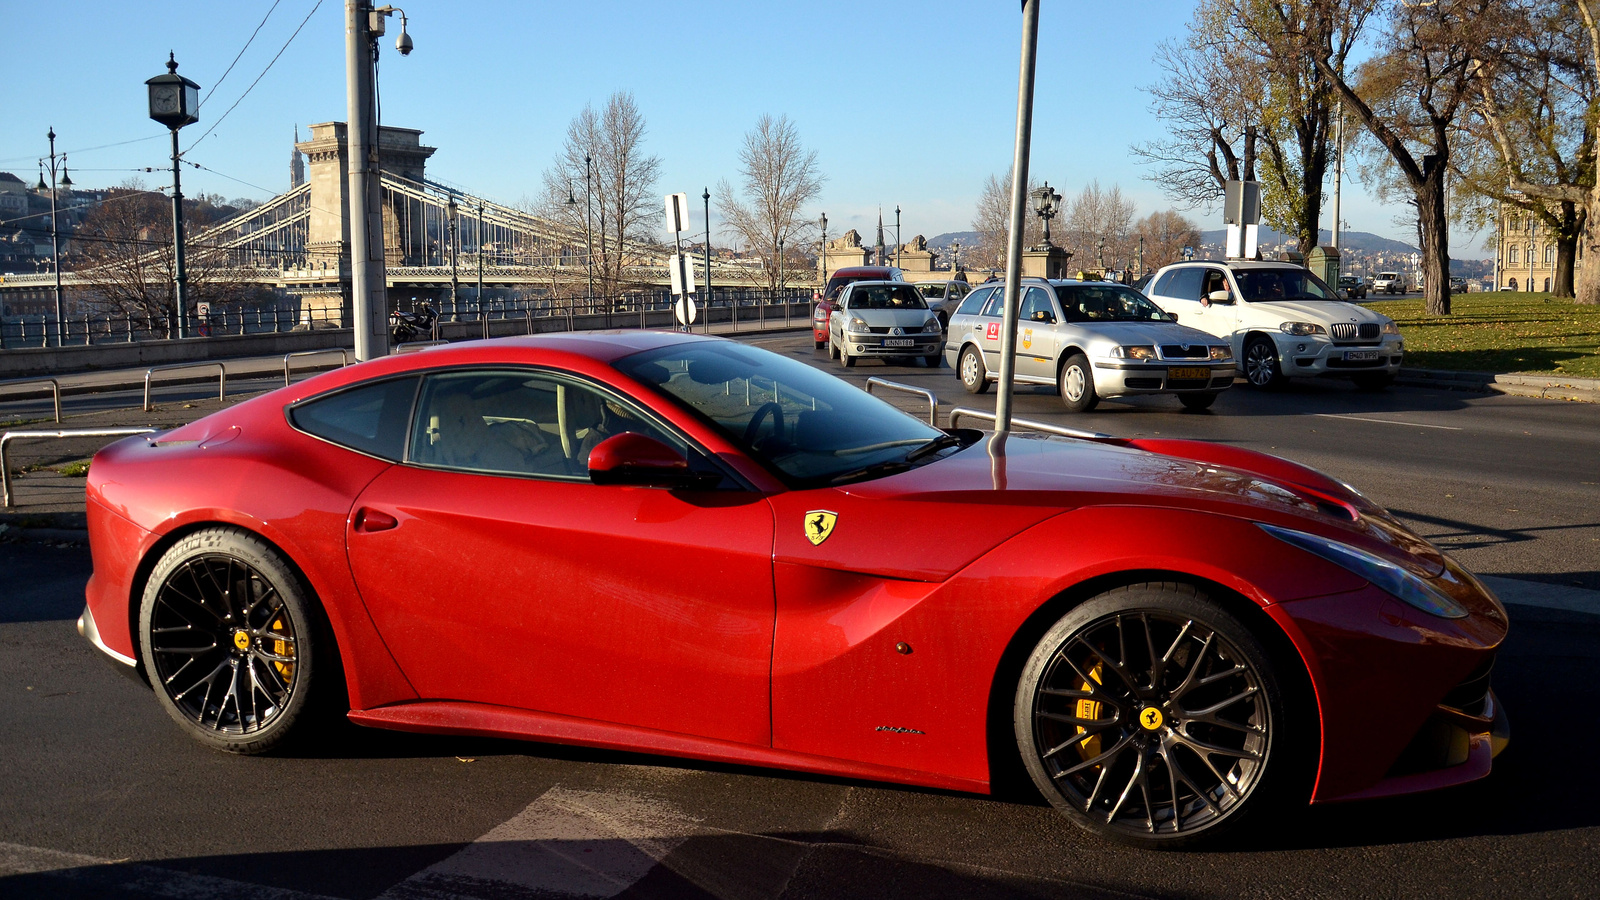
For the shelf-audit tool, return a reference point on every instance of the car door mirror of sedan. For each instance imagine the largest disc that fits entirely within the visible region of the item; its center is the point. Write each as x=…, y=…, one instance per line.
x=636, y=459
x=1172, y=317
x=1223, y=297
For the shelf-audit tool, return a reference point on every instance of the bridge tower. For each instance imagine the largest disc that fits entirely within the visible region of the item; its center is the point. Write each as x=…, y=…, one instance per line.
x=400, y=153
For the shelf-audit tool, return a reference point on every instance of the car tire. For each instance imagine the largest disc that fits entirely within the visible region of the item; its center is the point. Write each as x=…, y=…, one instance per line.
x=833, y=349
x=820, y=344
x=273, y=646
x=1372, y=381
x=1128, y=746
x=1076, y=383
x=1261, y=367
x=845, y=359
x=1197, y=402
x=934, y=360
x=974, y=375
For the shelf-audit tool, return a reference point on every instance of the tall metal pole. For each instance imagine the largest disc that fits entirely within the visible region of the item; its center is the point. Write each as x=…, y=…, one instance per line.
x=705, y=195
x=1019, y=210
x=453, y=211
x=1338, y=172
x=55, y=233
x=897, y=235
x=369, y=299
x=180, y=275
x=477, y=236
x=588, y=228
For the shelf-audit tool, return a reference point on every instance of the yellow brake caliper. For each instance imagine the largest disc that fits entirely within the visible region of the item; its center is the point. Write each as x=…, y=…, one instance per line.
x=1089, y=747
x=281, y=648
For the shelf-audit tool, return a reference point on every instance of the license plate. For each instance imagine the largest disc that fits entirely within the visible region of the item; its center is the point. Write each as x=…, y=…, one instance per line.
x=1189, y=373
x=1359, y=355
x=899, y=342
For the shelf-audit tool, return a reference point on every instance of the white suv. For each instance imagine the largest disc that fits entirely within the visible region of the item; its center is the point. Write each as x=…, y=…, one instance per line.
x=1283, y=321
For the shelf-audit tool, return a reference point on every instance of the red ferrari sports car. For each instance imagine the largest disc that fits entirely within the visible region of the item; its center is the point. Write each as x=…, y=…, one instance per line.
x=689, y=546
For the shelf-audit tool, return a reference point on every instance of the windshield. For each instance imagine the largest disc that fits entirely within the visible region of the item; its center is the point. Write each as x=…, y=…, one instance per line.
x=1106, y=303
x=810, y=427
x=885, y=296
x=1282, y=284
x=932, y=291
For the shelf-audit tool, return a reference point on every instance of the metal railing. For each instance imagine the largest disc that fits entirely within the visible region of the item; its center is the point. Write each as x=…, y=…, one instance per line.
x=933, y=401
x=222, y=378
x=962, y=412
x=344, y=358
x=414, y=346
x=55, y=390
x=8, y=437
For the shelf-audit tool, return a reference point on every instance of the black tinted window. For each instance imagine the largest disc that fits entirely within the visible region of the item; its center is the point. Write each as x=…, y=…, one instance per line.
x=372, y=418
x=1182, y=283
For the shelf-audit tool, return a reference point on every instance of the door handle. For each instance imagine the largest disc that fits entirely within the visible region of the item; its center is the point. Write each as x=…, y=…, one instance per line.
x=370, y=520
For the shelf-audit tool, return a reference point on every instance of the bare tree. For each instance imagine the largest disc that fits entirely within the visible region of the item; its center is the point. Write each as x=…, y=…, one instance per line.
x=1540, y=111
x=606, y=148
x=1165, y=235
x=992, y=222
x=778, y=177
x=1098, y=216
x=124, y=250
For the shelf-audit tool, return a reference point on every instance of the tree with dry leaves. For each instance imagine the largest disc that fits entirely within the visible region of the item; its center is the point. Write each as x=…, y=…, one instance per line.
x=1098, y=227
x=1165, y=234
x=992, y=222
x=778, y=177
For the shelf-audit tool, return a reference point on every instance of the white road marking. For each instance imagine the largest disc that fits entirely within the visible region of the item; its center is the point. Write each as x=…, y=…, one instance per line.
x=1386, y=421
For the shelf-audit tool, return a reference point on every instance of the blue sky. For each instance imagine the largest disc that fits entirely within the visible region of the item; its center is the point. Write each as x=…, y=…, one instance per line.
x=905, y=103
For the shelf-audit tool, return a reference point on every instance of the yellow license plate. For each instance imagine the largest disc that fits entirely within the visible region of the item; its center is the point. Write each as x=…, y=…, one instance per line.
x=1189, y=373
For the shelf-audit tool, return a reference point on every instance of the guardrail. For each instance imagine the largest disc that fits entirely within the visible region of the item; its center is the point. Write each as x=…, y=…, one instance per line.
x=8, y=437
x=962, y=412
x=55, y=390
x=933, y=401
x=222, y=378
x=344, y=358
x=414, y=346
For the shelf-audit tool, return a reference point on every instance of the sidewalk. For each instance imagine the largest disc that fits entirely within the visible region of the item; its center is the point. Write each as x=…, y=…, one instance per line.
x=1549, y=387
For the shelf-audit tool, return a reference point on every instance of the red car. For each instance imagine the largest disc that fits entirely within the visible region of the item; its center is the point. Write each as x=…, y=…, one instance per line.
x=690, y=546
x=836, y=283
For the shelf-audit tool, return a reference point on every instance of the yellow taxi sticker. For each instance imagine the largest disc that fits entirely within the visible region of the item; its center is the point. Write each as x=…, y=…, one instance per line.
x=1027, y=338
x=819, y=524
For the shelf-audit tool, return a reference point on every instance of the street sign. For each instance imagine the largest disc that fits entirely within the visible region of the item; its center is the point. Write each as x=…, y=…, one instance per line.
x=685, y=309
x=682, y=274
x=677, y=212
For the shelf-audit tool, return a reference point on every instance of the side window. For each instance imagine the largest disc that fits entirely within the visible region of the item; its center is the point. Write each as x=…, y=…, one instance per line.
x=997, y=303
x=1163, y=285
x=519, y=423
x=1038, y=302
x=1215, y=280
x=371, y=418
x=974, y=302
x=1183, y=283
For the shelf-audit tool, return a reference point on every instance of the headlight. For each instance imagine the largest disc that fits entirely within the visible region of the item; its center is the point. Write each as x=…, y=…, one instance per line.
x=1301, y=329
x=1399, y=583
x=1389, y=327
x=858, y=324
x=1133, y=353
x=1221, y=351
x=931, y=325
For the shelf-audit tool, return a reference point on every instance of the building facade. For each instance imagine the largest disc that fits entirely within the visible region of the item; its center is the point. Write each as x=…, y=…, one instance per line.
x=1525, y=259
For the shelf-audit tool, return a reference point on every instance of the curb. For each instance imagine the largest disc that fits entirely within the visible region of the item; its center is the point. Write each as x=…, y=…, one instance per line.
x=56, y=535
x=1549, y=387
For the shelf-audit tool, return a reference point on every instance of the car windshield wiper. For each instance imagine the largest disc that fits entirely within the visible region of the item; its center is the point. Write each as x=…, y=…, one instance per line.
x=933, y=446
x=888, y=467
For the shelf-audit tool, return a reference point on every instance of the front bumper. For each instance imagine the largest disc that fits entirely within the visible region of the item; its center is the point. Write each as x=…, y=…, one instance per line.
x=921, y=343
x=1120, y=378
x=124, y=664
x=1316, y=355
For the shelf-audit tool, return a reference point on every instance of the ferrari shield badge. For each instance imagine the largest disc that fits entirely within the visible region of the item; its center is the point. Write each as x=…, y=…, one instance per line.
x=819, y=524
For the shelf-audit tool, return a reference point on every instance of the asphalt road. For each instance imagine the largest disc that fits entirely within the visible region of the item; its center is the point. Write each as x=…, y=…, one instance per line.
x=103, y=797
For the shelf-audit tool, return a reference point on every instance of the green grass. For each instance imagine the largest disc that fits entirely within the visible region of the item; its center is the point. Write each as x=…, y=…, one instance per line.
x=79, y=469
x=1503, y=331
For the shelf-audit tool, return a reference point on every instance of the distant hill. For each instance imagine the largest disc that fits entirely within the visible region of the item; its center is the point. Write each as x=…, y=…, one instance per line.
x=1360, y=241
x=943, y=241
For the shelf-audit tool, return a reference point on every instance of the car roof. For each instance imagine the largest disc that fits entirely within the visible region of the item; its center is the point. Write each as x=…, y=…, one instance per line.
x=1240, y=263
x=860, y=271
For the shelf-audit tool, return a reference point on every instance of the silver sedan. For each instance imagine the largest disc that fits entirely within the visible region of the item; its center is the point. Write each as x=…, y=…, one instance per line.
x=884, y=319
x=1089, y=340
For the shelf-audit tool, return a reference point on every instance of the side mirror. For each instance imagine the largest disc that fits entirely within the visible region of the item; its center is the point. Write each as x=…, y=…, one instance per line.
x=1223, y=297
x=1172, y=317
x=637, y=459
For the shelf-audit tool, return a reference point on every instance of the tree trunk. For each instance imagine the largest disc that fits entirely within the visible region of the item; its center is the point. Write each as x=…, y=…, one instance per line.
x=1435, y=231
x=1566, y=255
x=1587, y=288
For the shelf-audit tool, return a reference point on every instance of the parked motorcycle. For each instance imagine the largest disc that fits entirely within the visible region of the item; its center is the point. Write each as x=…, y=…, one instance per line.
x=406, y=326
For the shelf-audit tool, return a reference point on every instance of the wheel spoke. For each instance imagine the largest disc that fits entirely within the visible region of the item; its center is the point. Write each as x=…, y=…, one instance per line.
x=1194, y=668
x=1203, y=748
x=1215, y=708
x=1138, y=770
x=1111, y=664
x=1097, y=760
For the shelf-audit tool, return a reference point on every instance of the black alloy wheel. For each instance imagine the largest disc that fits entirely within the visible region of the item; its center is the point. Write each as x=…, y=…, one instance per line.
x=1151, y=716
x=1261, y=367
x=974, y=377
x=229, y=641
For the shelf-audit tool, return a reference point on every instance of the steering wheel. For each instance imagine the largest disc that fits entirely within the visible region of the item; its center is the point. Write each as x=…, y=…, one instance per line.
x=770, y=407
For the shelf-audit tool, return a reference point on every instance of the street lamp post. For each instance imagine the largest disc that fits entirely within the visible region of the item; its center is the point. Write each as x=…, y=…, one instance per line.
x=477, y=240
x=55, y=229
x=705, y=195
x=455, y=283
x=174, y=102
x=1045, y=204
x=588, y=229
x=897, y=235
x=824, y=251
x=1141, y=255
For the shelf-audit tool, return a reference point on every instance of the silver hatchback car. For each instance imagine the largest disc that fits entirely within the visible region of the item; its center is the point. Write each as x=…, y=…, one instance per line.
x=1088, y=340
x=884, y=319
